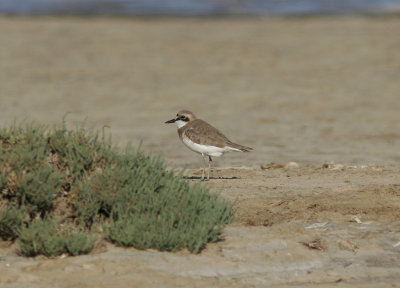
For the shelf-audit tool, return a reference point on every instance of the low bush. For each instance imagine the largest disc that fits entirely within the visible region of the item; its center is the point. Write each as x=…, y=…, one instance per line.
x=56, y=178
x=11, y=221
x=79, y=242
x=171, y=216
x=43, y=236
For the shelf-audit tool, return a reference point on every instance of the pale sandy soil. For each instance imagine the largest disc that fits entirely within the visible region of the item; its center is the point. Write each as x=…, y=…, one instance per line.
x=308, y=90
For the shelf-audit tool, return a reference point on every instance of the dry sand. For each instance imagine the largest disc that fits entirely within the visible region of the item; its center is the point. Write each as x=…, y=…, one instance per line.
x=310, y=90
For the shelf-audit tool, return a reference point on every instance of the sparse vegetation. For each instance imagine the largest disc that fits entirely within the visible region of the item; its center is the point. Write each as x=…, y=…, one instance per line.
x=58, y=185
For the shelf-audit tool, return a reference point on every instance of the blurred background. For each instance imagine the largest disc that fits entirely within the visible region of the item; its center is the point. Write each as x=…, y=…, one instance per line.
x=196, y=7
x=307, y=81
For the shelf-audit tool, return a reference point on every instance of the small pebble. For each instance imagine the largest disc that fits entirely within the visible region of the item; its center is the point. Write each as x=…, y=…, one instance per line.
x=292, y=165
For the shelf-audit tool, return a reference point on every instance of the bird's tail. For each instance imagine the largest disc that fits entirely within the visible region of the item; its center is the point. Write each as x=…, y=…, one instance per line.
x=237, y=147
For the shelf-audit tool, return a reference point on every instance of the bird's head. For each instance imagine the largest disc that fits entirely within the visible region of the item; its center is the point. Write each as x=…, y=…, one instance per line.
x=182, y=118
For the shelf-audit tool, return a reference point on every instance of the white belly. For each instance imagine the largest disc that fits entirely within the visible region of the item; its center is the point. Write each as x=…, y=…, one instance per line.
x=206, y=149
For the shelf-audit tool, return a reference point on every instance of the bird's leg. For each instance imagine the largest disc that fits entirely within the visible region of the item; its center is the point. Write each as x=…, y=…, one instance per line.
x=204, y=167
x=209, y=166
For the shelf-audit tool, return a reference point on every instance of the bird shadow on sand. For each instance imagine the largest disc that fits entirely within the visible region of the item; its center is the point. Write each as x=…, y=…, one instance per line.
x=211, y=178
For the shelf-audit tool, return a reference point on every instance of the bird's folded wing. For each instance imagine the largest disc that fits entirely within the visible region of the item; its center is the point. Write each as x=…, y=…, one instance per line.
x=203, y=133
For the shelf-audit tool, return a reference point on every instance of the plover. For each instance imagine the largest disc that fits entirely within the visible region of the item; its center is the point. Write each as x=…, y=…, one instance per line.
x=202, y=138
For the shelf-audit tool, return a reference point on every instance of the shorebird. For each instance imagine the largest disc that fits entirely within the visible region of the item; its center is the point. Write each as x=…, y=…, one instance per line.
x=202, y=138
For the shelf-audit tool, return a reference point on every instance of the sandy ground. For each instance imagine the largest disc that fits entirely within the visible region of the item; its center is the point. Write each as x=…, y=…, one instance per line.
x=309, y=90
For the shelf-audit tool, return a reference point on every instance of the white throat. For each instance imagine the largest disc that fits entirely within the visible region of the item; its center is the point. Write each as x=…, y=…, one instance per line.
x=180, y=123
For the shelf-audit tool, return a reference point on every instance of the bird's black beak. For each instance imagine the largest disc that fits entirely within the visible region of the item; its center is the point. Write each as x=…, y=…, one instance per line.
x=170, y=121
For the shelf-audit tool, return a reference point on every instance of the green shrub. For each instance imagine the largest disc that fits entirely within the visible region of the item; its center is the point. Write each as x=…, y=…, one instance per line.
x=173, y=216
x=3, y=180
x=11, y=221
x=41, y=237
x=38, y=189
x=80, y=179
x=79, y=242
x=44, y=237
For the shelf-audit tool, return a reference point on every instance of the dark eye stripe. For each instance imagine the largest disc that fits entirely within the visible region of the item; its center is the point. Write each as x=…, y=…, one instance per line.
x=183, y=118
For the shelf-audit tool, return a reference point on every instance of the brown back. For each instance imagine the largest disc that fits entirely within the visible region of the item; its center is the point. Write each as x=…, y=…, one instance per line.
x=201, y=132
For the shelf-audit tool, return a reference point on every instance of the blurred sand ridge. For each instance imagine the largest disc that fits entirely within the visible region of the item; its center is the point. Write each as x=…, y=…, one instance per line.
x=298, y=89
